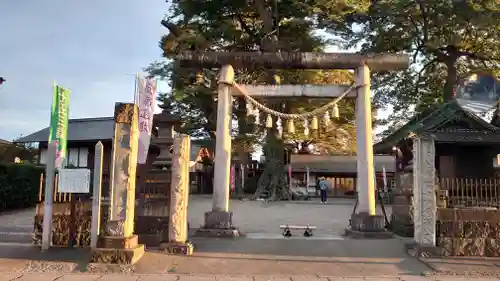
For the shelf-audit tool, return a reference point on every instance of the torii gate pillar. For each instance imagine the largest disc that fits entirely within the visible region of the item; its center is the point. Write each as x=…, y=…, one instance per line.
x=363, y=223
x=219, y=220
x=364, y=144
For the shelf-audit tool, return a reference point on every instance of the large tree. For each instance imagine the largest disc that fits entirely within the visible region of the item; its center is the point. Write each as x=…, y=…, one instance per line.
x=445, y=39
x=260, y=25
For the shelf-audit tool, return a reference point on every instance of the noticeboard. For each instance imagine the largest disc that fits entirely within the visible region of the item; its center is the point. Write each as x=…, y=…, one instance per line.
x=74, y=181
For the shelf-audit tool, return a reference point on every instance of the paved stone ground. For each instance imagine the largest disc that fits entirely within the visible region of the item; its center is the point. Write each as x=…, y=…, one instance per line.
x=174, y=277
x=257, y=218
x=263, y=251
x=263, y=255
x=17, y=226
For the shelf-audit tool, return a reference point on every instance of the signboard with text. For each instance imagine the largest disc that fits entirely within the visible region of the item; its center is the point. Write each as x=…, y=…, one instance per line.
x=74, y=181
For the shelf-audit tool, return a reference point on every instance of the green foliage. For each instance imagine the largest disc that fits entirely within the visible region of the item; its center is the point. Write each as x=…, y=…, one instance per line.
x=445, y=39
x=9, y=151
x=246, y=26
x=238, y=26
x=19, y=185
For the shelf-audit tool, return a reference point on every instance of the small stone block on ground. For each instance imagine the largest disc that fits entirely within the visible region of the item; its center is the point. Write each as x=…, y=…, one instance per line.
x=117, y=256
x=185, y=249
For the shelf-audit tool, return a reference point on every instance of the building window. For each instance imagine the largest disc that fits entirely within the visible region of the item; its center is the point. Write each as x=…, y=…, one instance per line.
x=75, y=157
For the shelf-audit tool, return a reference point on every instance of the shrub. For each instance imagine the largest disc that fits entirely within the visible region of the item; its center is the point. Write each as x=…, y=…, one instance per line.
x=19, y=185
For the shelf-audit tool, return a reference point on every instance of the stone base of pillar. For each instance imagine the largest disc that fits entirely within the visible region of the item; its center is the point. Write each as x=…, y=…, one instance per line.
x=117, y=250
x=365, y=226
x=218, y=224
x=422, y=251
x=176, y=248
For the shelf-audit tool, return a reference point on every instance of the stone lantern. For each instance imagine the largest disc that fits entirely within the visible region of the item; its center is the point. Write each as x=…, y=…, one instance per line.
x=154, y=197
x=166, y=124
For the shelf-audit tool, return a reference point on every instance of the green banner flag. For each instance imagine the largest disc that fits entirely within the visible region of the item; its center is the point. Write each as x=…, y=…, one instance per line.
x=59, y=123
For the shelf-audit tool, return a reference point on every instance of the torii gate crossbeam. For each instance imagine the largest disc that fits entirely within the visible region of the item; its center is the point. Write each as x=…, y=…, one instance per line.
x=218, y=221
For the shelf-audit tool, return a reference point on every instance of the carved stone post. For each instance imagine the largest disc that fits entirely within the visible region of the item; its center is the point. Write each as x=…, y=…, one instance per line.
x=179, y=194
x=424, y=193
x=218, y=221
x=119, y=245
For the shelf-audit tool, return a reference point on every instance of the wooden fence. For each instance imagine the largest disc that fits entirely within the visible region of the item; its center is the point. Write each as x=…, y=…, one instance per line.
x=471, y=192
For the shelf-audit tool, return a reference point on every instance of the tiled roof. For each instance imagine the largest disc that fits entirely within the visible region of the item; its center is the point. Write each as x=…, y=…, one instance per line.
x=434, y=122
x=78, y=130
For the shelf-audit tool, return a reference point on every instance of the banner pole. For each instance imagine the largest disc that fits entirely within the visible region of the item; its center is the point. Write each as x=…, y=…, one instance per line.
x=135, y=88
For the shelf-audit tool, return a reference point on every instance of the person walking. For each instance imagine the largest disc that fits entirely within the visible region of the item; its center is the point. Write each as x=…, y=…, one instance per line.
x=323, y=189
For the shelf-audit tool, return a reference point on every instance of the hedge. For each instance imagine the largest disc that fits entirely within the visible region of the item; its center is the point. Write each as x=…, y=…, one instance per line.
x=19, y=184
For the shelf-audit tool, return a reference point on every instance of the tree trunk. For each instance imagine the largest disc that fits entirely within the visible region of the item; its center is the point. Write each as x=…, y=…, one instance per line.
x=241, y=150
x=272, y=182
x=451, y=80
x=243, y=156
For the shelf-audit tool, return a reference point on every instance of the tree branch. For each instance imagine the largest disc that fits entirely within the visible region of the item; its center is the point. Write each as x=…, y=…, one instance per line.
x=419, y=74
x=475, y=56
x=425, y=28
x=247, y=28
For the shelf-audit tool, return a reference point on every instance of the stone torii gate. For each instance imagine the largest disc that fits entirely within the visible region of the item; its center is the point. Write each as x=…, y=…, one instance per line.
x=218, y=221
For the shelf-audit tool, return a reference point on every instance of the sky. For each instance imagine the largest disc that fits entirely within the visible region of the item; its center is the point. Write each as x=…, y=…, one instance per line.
x=92, y=47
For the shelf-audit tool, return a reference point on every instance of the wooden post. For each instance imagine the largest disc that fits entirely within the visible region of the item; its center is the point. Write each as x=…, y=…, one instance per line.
x=48, y=200
x=242, y=167
x=307, y=179
x=96, y=200
x=179, y=193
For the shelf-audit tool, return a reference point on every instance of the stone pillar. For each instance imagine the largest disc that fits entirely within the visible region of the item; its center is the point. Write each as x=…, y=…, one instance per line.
x=119, y=245
x=364, y=222
x=402, y=207
x=179, y=194
x=364, y=143
x=218, y=221
x=424, y=193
